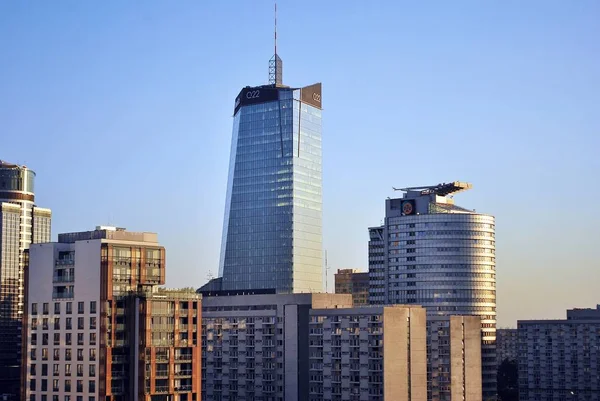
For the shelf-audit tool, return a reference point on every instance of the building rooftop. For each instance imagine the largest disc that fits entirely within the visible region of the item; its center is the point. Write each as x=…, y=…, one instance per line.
x=443, y=189
x=108, y=233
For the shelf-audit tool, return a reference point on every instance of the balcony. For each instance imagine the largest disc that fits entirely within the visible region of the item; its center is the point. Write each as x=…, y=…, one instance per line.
x=62, y=294
x=65, y=262
x=161, y=389
x=183, y=357
x=183, y=373
x=68, y=278
x=162, y=373
x=184, y=388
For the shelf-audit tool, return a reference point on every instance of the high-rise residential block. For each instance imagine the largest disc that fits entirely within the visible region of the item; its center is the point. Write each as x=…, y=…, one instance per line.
x=454, y=358
x=349, y=281
x=507, y=341
x=99, y=328
x=433, y=253
x=311, y=347
x=21, y=223
x=272, y=230
x=560, y=359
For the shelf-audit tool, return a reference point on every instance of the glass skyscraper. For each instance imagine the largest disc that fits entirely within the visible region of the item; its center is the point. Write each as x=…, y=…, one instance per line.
x=21, y=224
x=272, y=231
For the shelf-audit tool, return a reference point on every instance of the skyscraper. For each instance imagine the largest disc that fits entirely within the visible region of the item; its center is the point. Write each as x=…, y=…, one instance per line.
x=272, y=227
x=21, y=223
x=436, y=254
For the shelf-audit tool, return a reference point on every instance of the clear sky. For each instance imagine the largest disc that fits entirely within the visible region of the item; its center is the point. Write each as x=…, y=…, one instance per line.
x=124, y=111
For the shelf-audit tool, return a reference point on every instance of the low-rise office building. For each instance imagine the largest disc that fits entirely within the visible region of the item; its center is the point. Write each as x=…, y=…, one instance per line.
x=349, y=281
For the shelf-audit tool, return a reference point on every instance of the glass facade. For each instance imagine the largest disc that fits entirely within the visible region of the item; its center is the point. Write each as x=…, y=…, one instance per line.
x=272, y=226
x=20, y=225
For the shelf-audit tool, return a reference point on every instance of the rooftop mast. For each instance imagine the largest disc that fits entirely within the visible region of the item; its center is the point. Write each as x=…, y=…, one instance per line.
x=275, y=64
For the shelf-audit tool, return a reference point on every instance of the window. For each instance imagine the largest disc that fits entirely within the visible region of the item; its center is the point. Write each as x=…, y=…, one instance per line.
x=57, y=354
x=44, y=369
x=32, y=369
x=69, y=323
x=92, y=386
x=69, y=308
x=79, y=370
x=68, y=354
x=92, y=371
x=33, y=338
x=92, y=338
x=32, y=385
x=54, y=398
x=34, y=309
x=68, y=369
x=45, y=308
x=44, y=338
x=92, y=323
x=92, y=354
x=80, y=323
x=79, y=398
x=92, y=306
x=68, y=340
x=55, y=385
x=44, y=354
x=79, y=338
x=80, y=354
x=56, y=370
x=57, y=308
x=33, y=354
x=44, y=384
x=56, y=323
x=68, y=386
x=79, y=386
x=34, y=323
x=45, y=323
x=80, y=307
x=56, y=338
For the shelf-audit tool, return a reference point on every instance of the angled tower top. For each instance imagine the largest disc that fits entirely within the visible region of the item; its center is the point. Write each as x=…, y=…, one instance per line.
x=276, y=64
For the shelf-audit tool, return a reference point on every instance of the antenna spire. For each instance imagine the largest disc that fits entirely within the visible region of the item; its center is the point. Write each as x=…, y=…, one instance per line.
x=275, y=64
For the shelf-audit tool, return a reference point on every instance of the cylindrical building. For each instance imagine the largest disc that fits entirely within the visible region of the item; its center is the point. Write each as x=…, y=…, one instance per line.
x=21, y=223
x=441, y=256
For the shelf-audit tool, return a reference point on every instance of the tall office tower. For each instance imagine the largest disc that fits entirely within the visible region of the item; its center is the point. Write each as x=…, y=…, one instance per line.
x=560, y=359
x=434, y=253
x=349, y=281
x=506, y=345
x=99, y=328
x=454, y=344
x=292, y=347
x=272, y=226
x=21, y=223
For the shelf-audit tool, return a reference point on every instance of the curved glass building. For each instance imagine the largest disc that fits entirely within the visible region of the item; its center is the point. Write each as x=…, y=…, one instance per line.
x=21, y=223
x=436, y=254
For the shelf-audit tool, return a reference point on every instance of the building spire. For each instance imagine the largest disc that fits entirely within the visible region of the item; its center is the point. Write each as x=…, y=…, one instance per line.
x=276, y=64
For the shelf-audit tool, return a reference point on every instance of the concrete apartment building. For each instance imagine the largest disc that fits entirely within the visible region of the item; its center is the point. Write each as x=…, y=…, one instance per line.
x=507, y=344
x=454, y=358
x=349, y=281
x=434, y=253
x=289, y=347
x=100, y=329
x=560, y=359
x=21, y=223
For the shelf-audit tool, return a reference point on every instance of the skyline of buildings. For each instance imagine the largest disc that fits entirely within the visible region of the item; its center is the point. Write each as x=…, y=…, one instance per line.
x=21, y=224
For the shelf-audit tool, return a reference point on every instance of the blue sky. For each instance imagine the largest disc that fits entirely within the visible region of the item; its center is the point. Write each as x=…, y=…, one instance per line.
x=124, y=111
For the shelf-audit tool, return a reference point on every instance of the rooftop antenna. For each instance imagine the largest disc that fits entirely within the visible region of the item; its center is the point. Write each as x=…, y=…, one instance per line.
x=276, y=64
